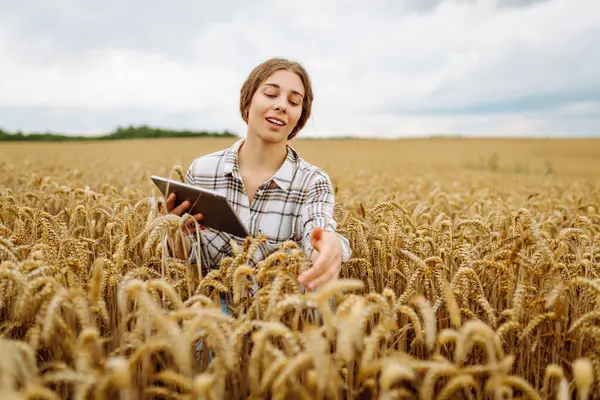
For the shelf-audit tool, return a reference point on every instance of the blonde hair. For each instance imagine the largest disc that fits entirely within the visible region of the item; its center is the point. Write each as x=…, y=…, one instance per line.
x=261, y=72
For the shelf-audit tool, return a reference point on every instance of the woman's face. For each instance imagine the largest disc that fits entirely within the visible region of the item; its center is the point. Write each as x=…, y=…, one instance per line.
x=276, y=107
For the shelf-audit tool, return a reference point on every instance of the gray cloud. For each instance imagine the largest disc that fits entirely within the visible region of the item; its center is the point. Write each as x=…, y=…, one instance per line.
x=421, y=5
x=71, y=28
x=379, y=68
x=87, y=121
x=518, y=3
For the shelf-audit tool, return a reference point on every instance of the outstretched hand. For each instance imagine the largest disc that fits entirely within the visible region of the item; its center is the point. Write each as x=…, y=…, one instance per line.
x=328, y=261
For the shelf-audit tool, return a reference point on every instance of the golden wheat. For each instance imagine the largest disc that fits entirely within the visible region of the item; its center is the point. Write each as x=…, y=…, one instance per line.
x=464, y=282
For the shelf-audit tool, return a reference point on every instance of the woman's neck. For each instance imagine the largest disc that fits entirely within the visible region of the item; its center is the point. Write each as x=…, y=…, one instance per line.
x=259, y=156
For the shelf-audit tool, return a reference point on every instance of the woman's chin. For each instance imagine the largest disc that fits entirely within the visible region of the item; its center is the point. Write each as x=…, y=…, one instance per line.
x=273, y=137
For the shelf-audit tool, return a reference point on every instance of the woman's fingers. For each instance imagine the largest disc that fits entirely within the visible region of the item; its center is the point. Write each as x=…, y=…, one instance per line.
x=313, y=272
x=322, y=265
x=328, y=263
x=170, y=203
x=191, y=224
x=323, y=278
x=180, y=209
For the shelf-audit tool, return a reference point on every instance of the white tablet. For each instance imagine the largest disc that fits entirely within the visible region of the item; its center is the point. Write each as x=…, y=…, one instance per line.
x=218, y=213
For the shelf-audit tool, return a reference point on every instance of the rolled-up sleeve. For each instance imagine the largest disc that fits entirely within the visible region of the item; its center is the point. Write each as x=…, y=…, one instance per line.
x=317, y=211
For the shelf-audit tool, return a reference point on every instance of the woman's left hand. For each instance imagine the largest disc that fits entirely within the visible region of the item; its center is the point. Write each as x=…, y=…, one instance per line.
x=327, y=264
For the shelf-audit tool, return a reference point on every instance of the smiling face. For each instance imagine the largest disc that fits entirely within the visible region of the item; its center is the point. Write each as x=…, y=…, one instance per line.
x=276, y=99
x=276, y=106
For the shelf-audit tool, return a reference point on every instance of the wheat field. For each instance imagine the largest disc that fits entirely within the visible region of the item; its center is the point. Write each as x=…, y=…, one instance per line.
x=475, y=274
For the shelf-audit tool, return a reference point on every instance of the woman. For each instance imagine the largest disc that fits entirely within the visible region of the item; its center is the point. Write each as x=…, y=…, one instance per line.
x=274, y=191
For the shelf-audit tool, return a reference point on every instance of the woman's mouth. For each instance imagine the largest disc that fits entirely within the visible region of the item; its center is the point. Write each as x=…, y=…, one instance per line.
x=276, y=122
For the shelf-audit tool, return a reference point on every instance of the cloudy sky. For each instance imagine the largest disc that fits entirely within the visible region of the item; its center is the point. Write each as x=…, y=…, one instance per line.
x=379, y=68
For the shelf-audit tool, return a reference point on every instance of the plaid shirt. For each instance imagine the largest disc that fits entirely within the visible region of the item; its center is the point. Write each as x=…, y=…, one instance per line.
x=298, y=198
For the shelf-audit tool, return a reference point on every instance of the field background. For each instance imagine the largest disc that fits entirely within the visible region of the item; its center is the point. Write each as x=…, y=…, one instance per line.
x=580, y=156
x=371, y=161
x=362, y=171
x=479, y=258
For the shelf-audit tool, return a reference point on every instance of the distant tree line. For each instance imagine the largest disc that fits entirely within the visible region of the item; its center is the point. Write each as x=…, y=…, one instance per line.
x=131, y=132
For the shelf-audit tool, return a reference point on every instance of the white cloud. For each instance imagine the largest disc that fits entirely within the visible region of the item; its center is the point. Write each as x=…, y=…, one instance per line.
x=580, y=108
x=117, y=78
x=381, y=68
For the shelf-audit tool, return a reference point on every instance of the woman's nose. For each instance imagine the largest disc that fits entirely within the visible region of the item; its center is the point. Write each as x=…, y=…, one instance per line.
x=279, y=105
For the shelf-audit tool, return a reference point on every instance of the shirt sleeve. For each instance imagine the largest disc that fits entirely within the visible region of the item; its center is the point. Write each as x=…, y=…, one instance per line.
x=317, y=211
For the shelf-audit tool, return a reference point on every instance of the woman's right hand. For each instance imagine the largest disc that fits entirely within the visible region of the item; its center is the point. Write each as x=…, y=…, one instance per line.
x=180, y=209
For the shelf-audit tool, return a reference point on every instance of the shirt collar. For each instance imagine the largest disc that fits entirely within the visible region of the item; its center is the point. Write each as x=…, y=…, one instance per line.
x=230, y=161
x=284, y=175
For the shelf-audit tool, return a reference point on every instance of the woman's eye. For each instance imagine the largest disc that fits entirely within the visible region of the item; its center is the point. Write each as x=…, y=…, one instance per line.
x=293, y=103
x=270, y=95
